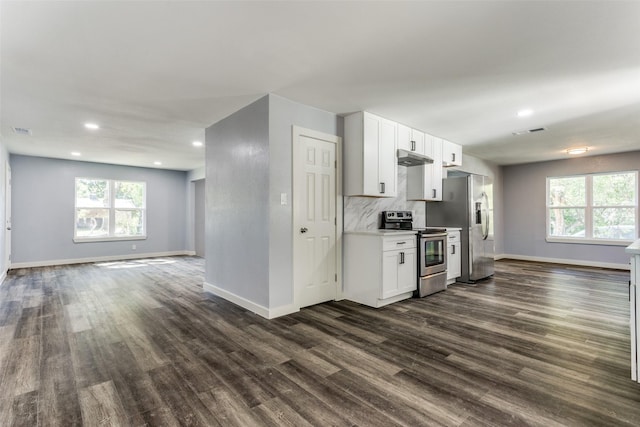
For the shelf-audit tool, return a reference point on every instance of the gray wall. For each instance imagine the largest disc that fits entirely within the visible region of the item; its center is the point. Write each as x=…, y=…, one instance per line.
x=248, y=248
x=237, y=203
x=198, y=216
x=283, y=114
x=525, y=214
x=43, y=210
x=192, y=176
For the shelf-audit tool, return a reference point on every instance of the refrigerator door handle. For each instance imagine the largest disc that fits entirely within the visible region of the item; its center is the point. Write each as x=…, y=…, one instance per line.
x=487, y=216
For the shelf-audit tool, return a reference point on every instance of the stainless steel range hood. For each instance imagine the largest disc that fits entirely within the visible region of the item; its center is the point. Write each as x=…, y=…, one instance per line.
x=411, y=158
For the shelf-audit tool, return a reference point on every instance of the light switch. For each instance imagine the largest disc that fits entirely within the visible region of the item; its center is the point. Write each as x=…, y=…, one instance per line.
x=283, y=199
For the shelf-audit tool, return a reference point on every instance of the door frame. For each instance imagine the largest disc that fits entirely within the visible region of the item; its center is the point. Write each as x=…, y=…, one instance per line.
x=296, y=133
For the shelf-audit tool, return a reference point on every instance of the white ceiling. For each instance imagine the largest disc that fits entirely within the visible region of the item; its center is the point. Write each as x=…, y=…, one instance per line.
x=155, y=74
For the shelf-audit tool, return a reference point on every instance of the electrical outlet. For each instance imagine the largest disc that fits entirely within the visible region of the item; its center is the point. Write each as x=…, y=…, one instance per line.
x=133, y=247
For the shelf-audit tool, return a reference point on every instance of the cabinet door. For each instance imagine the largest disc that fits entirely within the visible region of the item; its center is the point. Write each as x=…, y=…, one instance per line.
x=417, y=141
x=371, y=158
x=390, y=266
x=404, y=137
x=451, y=154
x=428, y=145
x=387, y=162
x=634, y=321
x=454, y=262
x=407, y=272
x=436, y=170
x=425, y=182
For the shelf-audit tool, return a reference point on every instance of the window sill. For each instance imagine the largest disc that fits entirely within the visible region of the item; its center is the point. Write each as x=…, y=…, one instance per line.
x=602, y=242
x=106, y=239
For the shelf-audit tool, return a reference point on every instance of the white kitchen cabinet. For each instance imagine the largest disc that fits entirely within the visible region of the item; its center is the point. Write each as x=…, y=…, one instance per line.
x=451, y=154
x=398, y=272
x=429, y=145
x=634, y=308
x=425, y=182
x=454, y=258
x=370, y=161
x=403, y=137
x=379, y=268
x=410, y=139
x=417, y=141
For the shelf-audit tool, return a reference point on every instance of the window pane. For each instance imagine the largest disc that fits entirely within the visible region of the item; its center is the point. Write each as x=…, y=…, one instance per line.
x=569, y=191
x=129, y=223
x=92, y=223
x=614, y=189
x=92, y=193
x=129, y=194
x=566, y=222
x=614, y=223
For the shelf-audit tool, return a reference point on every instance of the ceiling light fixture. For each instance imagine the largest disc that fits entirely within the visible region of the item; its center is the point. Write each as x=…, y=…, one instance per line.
x=91, y=126
x=525, y=113
x=157, y=163
x=76, y=153
x=197, y=143
x=574, y=151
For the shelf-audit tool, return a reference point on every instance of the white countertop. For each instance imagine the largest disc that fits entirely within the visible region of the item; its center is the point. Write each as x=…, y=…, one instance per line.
x=384, y=232
x=634, y=248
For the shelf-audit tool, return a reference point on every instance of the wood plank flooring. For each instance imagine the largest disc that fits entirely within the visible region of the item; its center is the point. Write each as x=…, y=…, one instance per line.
x=139, y=343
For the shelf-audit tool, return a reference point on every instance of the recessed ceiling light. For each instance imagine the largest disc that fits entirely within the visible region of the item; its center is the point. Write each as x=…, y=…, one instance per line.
x=157, y=163
x=76, y=153
x=92, y=126
x=525, y=113
x=197, y=143
x=580, y=150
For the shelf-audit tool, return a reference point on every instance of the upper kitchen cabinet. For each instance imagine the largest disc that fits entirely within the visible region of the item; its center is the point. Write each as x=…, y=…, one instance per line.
x=370, y=162
x=425, y=182
x=410, y=139
x=451, y=154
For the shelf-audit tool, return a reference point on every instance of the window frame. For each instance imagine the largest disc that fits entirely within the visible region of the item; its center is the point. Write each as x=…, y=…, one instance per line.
x=589, y=208
x=111, y=237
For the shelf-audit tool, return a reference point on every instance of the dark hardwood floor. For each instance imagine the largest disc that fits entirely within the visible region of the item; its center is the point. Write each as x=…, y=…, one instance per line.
x=139, y=343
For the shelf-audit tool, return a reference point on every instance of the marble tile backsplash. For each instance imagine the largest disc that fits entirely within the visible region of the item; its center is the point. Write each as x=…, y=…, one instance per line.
x=363, y=213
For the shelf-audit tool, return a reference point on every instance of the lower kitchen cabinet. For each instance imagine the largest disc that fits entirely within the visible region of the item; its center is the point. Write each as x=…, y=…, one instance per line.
x=454, y=259
x=379, y=268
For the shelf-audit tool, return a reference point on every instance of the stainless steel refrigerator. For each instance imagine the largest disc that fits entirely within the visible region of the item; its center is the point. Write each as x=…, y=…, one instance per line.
x=467, y=203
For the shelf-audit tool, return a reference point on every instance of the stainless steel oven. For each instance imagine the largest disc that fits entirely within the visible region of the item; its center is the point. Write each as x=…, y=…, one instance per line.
x=432, y=261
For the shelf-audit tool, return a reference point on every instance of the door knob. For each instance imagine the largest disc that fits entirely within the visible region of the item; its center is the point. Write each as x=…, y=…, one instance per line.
x=304, y=229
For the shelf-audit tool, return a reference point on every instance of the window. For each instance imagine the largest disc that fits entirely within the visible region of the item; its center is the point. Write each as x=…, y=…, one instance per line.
x=109, y=210
x=595, y=208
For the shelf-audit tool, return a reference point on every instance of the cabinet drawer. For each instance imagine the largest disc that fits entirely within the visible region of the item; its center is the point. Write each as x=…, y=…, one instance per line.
x=397, y=243
x=453, y=237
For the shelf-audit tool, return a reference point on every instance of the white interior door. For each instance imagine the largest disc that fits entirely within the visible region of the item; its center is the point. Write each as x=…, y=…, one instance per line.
x=7, y=215
x=315, y=259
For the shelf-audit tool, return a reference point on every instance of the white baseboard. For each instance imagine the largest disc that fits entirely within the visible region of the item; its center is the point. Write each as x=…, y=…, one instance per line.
x=2, y=277
x=48, y=263
x=260, y=310
x=564, y=261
